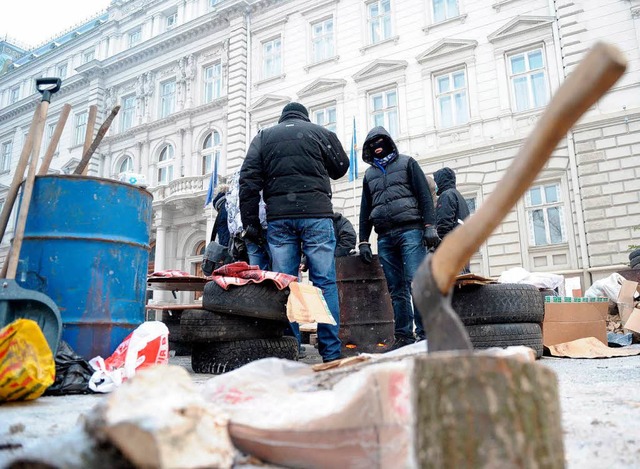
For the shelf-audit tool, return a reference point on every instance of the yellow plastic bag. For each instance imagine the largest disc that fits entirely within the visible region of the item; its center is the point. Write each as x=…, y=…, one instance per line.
x=27, y=367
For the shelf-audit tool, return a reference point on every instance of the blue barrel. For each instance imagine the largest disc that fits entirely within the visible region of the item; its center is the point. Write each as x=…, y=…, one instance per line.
x=86, y=246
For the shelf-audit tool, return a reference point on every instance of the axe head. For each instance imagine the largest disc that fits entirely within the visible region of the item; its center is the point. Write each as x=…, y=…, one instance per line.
x=442, y=325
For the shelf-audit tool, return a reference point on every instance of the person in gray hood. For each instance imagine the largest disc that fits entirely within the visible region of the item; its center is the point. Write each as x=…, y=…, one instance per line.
x=397, y=203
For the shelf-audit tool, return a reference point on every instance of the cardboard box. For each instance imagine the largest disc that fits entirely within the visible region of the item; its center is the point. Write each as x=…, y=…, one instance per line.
x=629, y=316
x=567, y=319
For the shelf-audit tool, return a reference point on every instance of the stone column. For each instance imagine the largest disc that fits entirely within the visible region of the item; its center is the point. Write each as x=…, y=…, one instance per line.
x=178, y=168
x=187, y=165
x=161, y=237
x=237, y=93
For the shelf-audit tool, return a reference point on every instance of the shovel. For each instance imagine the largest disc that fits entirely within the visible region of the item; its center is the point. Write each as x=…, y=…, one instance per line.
x=432, y=284
x=15, y=301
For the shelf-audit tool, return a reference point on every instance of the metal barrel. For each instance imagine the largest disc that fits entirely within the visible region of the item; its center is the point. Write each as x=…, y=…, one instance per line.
x=86, y=246
x=366, y=313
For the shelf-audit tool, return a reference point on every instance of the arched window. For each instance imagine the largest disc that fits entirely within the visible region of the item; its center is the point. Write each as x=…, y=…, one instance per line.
x=165, y=165
x=211, y=149
x=126, y=165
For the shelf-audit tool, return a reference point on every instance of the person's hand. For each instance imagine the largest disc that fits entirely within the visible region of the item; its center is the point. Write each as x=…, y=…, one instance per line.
x=366, y=255
x=303, y=264
x=253, y=234
x=430, y=237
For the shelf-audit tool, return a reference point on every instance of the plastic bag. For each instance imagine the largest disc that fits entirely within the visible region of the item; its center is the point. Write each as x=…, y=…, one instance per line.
x=146, y=346
x=27, y=368
x=539, y=279
x=72, y=373
x=607, y=287
x=215, y=256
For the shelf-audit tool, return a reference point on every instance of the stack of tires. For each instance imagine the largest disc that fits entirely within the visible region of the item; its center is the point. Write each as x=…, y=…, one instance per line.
x=237, y=326
x=634, y=259
x=501, y=315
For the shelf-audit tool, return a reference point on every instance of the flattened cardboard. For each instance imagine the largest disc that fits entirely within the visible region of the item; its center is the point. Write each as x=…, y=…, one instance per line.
x=590, y=348
x=565, y=322
x=633, y=321
x=625, y=299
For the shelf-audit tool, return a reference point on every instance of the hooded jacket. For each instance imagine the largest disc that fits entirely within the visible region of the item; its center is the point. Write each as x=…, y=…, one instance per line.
x=345, y=235
x=292, y=163
x=393, y=196
x=451, y=206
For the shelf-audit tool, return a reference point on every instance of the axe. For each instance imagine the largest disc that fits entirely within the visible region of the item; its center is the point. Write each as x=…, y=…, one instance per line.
x=432, y=284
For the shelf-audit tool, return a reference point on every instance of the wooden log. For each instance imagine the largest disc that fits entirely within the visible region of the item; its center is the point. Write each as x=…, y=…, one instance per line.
x=485, y=412
x=88, y=136
x=55, y=139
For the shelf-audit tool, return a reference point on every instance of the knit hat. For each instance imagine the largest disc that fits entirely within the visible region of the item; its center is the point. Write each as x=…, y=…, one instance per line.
x=297, y=107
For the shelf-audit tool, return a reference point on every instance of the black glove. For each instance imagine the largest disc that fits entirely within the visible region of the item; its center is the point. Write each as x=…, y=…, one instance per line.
x=430, y=237
x=366, y=255
x=303, y=263
x=253, y=234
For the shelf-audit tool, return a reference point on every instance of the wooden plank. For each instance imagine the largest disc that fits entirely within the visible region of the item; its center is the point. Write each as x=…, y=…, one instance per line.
x=176, y=283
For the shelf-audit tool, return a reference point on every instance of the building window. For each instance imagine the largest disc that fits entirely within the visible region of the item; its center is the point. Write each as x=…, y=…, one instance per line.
x=126, y=165
x=165, y=165
x=379, y=19
x=14, y=94
x=384, y=111
x=545, y=215
x=61, y=70
x=451, y=96
x=128, y=112
x=527, y=75
x=5, y=156
x=80, y=128
x=325, y=117
x=211, y=149
x=213, y=3
x=88, y=55
x=212, y=82
x=322, y=40
x=471, y=204
x=167, y=98
x=135, y=37
x=170, y=21
x=271, y=58
x=51, y=127
x=444, y=9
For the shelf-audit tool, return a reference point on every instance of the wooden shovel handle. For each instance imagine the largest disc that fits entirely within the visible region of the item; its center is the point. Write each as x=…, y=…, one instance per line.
x=595, y=74
x=27, y=190
x=12, y=194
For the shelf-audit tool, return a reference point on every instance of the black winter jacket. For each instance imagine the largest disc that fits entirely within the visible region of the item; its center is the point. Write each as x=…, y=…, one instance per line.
x=292, y=163
x=451, y=206
x=396, y=197
x=345, y=235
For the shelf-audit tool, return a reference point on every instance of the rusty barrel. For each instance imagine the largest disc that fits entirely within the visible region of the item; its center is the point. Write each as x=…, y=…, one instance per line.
x=86, y=246
x=366, y=313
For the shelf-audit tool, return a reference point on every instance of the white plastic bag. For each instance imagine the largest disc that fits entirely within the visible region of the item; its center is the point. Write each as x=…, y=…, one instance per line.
x=606, y=287
x=538, y=279
x=147, y=345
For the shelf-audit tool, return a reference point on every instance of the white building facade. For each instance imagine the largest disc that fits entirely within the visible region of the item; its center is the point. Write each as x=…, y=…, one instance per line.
x=458, y=83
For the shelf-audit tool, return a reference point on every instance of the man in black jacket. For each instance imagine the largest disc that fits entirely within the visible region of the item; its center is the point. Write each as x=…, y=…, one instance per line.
x=396, y=202
x=451, y=209
x=293, y=163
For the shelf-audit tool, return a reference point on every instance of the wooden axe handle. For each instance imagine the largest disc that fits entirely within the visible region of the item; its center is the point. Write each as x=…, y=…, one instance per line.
x=593, y=76
x=96, y=141
x=55, y=139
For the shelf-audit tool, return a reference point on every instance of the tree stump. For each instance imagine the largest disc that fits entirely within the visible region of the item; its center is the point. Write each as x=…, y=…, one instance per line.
x=486, y=411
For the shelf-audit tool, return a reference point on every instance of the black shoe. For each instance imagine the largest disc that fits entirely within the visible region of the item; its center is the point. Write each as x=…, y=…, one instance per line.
x=401, y=342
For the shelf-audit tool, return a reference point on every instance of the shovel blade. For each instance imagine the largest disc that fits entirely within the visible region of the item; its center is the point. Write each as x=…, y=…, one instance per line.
x=19, y=303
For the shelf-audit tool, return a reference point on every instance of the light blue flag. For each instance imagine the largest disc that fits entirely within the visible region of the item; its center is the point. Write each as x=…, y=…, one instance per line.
x=353, y=157
x=213, y=182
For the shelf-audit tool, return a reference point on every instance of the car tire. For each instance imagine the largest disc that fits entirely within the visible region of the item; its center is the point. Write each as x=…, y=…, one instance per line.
x=506, y=335
x=220, y=357
x=498, y=303
x=257, y=300
x=635, y=254
x=635, y=262
x=199, y=325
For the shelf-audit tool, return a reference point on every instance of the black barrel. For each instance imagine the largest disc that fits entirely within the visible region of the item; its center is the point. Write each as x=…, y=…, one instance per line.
x=366, y=313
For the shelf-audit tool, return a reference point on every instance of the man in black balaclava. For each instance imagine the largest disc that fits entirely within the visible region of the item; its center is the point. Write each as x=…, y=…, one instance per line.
x=397, y=203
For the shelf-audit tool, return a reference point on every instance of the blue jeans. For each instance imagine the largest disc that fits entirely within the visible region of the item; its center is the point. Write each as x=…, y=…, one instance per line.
x=258, y=255
x=401, y=253
x=316, y=238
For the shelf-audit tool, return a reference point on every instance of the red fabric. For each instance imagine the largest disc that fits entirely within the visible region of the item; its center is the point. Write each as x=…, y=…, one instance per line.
x=241, y=273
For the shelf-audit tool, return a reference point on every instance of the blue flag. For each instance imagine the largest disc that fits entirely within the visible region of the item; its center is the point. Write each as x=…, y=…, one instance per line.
x=213, y=182
x=353, y=156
